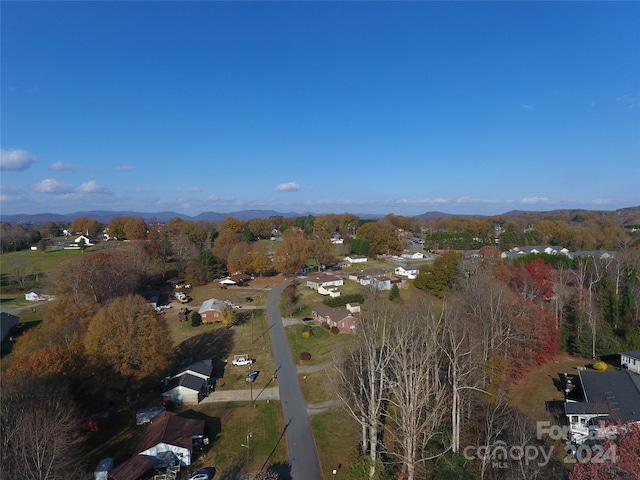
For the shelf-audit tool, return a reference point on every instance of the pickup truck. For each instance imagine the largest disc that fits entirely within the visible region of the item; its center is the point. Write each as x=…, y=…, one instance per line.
x=238, y=362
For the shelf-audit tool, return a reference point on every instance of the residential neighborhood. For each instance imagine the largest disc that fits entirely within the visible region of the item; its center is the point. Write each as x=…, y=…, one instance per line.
x=205, y=388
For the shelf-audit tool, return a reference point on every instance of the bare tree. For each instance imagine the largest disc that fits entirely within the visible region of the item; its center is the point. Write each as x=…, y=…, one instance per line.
x=418, y=394
x=40, y=433
x=19, y=271
x=459, y=348
x=363, y=378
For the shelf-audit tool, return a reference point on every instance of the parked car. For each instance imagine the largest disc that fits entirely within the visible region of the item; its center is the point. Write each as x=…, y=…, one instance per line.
x=253, y=374
x=235, y=306
x=248, y=299
x=199, y=475
x=241, y=361
x=307, y=319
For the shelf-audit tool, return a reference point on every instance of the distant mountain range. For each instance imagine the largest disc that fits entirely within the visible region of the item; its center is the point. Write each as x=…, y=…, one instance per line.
x=630, y=214
x=105, y=216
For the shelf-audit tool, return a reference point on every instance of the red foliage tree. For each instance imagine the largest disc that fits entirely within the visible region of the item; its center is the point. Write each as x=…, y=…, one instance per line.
x=619, y=458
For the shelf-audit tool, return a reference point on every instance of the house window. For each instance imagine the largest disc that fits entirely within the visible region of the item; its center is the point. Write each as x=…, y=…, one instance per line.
x=574, y=419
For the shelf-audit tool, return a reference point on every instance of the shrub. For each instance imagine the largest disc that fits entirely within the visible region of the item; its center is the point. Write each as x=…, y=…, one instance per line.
x=195, y=319
x=305, y=356
x=325, y=325
x=335, y=330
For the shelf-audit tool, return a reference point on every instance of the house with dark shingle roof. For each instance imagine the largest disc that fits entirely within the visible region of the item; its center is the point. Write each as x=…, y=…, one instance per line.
x=168, y=440
x=190, y=383
x=8, y=322
x=606, y=396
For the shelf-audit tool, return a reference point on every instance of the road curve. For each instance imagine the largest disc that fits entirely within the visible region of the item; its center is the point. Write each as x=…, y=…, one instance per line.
x=303, y=455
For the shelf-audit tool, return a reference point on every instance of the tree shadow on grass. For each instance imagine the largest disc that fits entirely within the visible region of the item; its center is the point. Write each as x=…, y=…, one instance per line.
x=216, y=345
x=212, y=425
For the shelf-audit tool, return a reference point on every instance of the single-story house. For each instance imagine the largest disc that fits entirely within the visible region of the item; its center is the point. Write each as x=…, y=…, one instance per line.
x=414, y=255
x=332, y=292
x=185, y=389
x=88, y=240
x=344, y=320
x=407, y=271
x=8, y=322
x=385, y=282
x=236, y=280
x=363, y=277
x=37, y=295
x=606, y=396
x=356, y=258
x=212, y=310
x=324, y=280
x=631, y=360
x=190, y=382
x=172, y=433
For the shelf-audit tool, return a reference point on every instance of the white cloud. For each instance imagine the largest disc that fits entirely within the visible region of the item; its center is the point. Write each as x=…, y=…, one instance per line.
x=527, y=106
x=61, y=166
x=601, y=201
x=189, y=189
x=16, y=159
x=535, y=200
x=123, y=168
x=91, y=187
x=50, y=185
x=288, y=187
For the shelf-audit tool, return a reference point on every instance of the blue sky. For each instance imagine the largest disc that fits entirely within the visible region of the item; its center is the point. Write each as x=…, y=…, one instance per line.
x=321, y=107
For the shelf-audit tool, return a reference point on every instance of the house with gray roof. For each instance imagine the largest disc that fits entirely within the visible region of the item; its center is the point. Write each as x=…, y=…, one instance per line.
x=605, y=396
x=190, y=382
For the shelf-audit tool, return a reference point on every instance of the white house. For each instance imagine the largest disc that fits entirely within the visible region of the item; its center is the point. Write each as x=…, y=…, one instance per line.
x=631, y=360
x=324, y=280
x=414, y=255
x=37, y=295
x=406, y=271
x=332, y=292
x=356, y=258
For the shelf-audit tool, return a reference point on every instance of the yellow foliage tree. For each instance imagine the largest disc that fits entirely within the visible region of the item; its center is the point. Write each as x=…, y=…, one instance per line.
x=128, y=337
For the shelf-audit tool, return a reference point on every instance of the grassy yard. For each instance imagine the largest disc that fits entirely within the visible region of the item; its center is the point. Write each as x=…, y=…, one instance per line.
x=322, y=345
x=336, y=434
x=230, y=424
x=541, y=385
x=317, y=387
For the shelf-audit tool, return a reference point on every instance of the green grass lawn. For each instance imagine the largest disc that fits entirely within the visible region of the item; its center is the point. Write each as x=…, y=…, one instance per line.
x=230, y=424
x=317, y=387
x=322, y=345
x=336, y=435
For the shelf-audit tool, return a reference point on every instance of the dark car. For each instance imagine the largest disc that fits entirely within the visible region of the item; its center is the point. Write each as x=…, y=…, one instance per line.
x=307, y=319
x=248, y=299
x=253, y=374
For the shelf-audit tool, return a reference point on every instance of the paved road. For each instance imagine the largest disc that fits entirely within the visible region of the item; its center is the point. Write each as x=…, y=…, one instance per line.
x=303, y=455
